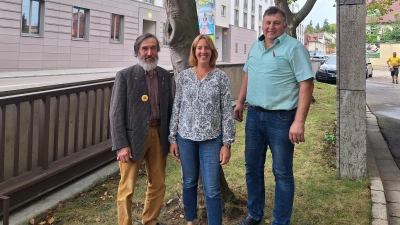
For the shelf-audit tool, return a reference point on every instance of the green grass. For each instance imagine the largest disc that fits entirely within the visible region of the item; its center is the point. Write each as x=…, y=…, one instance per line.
x=321, y=197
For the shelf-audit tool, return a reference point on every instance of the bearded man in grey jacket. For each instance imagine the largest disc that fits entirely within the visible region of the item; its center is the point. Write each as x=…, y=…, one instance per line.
x=140, y=111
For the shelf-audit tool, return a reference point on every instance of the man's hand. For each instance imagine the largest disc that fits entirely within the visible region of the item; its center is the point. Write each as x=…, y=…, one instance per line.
x=124, y=155
x=173, y=148
x=224, y=155
x=296, y=133
x=238, y=112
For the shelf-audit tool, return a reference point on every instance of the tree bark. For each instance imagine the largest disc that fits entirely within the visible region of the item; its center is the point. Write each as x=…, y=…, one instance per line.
x=181, y=29
x=294, y=19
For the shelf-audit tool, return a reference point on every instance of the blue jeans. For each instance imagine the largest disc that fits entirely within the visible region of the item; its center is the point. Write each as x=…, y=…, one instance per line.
x=204, y=156
x=269, y=128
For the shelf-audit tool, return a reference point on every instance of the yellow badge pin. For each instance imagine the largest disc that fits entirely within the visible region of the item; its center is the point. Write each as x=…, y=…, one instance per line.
x=145, y=98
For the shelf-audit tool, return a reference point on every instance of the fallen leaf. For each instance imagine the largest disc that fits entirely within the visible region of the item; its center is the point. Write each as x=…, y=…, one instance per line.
x=42, y=223
x=49, y=211
x=181, y=216
x=98, y=219
x=32, y=221
x=60, y=204
x=105, y=193
x=50, y=220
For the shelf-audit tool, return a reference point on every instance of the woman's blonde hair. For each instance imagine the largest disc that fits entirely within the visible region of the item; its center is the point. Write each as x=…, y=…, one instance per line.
x=214, y=53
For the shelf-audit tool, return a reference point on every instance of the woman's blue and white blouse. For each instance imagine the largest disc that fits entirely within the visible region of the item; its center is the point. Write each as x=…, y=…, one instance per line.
x=202, y=109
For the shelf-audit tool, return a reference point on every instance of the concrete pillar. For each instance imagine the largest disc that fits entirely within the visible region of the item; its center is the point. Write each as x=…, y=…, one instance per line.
x=351, y=114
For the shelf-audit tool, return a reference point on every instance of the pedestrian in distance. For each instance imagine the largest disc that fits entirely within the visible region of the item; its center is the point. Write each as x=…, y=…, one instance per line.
x=393, y=63
x=202, y=128
x=278, y=86
x=140, y=111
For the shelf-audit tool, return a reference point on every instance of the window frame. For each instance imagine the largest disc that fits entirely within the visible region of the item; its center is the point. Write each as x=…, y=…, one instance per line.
x=236, y=17
x=223, y=10
x=87, y=23
x=245, y=20
x=40, y=17
x=120, y=29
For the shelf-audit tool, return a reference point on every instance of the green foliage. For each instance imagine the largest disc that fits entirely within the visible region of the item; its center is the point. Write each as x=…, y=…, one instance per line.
x=330, y=138
x=317, y=28
x=380, y=8
x=309, y=29
x=376, y=33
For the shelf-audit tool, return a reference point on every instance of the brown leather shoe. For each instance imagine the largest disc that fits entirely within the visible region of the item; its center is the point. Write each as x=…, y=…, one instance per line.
x=248, y=220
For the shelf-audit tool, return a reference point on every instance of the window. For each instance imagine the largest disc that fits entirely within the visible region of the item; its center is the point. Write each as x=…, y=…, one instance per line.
x=149, y=1
x=32, y=17
x=252, y=22
x=116, y=28
x=223, y=10
x=236, y=17
x=245, y=20
x=245, y=4
x=253, y=5
x=236, y=2
x=80, y=18
x=260, y=13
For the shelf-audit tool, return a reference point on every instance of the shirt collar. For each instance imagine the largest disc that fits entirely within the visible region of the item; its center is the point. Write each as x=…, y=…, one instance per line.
x=277, y=40
x=147, y=73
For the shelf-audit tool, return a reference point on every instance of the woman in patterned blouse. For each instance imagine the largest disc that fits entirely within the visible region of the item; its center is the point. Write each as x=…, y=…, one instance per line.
x=202, y=128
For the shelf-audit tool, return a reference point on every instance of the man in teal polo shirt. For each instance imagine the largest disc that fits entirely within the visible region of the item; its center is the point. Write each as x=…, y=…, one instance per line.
x=278, y=86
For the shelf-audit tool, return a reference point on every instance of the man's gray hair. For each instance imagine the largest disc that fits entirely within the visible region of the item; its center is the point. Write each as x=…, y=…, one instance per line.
x=141, y=38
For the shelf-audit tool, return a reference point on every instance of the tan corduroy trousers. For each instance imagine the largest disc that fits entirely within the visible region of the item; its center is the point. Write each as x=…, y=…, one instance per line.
x=155, y=167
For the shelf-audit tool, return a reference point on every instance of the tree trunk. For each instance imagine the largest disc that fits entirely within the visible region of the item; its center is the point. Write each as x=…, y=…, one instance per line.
x=181, y=28
x=294, y=19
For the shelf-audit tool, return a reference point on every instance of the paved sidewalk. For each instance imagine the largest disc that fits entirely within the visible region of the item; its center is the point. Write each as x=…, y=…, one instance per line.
x=384, y=175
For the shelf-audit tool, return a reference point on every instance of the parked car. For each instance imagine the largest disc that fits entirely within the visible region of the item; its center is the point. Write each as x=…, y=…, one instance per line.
x=327, y=70
x=319, y=57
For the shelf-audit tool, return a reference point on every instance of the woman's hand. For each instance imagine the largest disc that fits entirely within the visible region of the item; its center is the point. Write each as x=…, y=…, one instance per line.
x=173, y=148
x=224, y=155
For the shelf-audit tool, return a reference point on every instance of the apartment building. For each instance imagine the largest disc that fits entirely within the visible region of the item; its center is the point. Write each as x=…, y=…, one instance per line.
x=74, y=34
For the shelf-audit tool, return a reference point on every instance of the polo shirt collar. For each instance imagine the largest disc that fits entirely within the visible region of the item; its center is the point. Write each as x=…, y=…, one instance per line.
x=279, y=39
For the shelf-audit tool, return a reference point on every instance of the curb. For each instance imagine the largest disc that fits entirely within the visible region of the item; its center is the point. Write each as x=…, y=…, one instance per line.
x=378, y=198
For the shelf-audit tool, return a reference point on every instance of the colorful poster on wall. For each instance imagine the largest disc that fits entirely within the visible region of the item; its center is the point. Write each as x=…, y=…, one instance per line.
x=206, y=16
x=372, y=50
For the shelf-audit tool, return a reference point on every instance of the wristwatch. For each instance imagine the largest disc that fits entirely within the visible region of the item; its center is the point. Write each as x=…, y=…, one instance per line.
x=226, y=145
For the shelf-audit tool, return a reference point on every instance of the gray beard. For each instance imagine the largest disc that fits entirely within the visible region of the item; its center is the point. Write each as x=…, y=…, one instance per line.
x=147, y=66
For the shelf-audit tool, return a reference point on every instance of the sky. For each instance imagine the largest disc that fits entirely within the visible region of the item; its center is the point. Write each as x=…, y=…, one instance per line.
x=323, y=9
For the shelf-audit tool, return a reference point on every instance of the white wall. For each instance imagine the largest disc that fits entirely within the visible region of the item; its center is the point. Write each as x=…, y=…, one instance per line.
x=218, y=42
x=220, y=20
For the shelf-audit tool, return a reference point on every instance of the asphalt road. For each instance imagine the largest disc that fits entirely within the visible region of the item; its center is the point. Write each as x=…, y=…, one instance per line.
x=383, y=99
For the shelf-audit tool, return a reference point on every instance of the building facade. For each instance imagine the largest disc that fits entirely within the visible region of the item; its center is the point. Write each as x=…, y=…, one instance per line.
x=76, y=34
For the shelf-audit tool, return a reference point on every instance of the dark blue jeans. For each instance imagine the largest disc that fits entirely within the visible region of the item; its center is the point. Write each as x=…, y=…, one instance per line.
x=269, y=129
x=201, y=156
